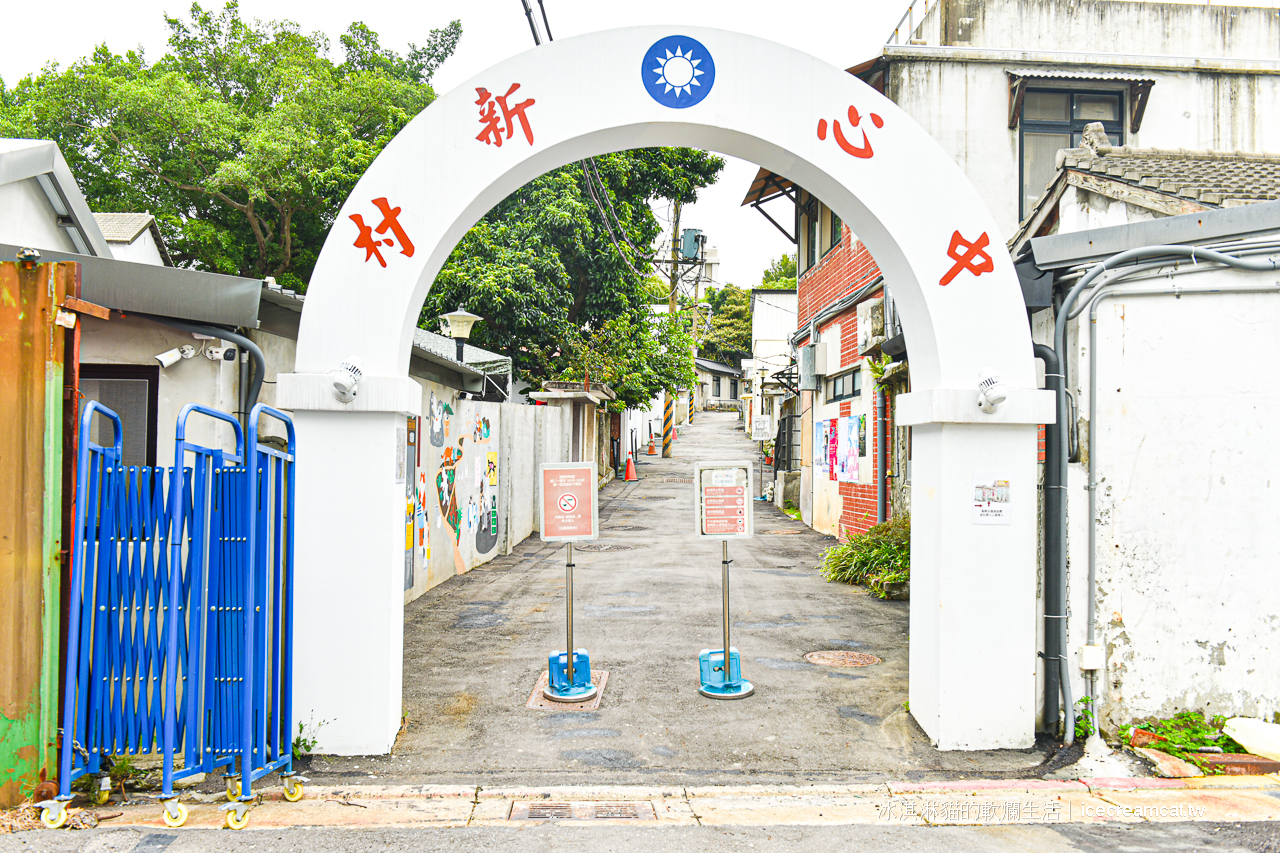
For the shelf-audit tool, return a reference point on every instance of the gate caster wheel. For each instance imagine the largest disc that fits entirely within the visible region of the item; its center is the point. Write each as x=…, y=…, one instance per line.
x=233, y=789
x=293, y=792
x=54, y=818
x=177, y=817
x=234, y=822
x=101, y=796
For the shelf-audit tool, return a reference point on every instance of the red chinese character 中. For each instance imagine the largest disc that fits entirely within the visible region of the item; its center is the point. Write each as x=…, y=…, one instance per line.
x=490, y=104
x=863, y=151
x=390, y=222
x=963, y=253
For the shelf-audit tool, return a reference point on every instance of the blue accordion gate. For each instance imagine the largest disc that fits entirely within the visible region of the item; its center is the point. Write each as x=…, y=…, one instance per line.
x=181, y=613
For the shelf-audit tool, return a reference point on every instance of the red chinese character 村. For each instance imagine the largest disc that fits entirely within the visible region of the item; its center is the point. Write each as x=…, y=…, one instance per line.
x=492, y=132
x=390, y=222
x=963, y=253
x=863, y=151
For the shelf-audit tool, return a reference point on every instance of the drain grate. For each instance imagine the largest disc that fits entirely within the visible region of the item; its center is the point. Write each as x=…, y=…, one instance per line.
x=841, y=658
x=583, y=811
x=653, y=498
x=602, y=546
x=630, y=528
x=779, y=533
x=688, y=480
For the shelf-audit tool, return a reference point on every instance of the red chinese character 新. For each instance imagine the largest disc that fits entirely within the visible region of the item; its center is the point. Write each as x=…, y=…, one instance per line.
x=863, y=151
x=492, y=132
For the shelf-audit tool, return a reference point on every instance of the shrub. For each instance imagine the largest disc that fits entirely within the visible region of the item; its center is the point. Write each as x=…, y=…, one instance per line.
x=882, y=553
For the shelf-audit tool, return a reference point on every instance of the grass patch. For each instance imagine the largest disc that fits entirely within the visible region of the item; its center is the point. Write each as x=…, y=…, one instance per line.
x=882, y=554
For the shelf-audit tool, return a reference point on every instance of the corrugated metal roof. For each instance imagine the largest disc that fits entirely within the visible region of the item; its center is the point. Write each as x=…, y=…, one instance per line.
x=716, y=367
x=766, y=185
x=1077, y=75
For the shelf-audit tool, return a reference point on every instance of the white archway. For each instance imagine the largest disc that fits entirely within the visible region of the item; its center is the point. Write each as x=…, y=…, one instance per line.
x=973, y=630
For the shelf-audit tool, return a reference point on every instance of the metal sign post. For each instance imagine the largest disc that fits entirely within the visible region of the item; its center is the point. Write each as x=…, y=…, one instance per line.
x=724, y=512
x=569, y=513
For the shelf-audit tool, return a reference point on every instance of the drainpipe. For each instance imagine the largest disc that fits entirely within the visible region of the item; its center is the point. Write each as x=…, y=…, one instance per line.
x=1065, y=314
x=882, y=481
x=1055, y=614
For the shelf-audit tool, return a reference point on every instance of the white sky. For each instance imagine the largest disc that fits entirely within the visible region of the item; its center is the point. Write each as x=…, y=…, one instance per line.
x=842, y=32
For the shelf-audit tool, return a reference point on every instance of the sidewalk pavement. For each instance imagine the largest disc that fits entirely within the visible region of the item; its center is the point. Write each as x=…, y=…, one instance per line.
x=961, y=803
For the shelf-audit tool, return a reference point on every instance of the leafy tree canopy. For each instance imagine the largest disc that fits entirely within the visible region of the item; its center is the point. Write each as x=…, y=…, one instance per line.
x=728, y=340
x=545, y=272
x=243, y=140
x=634, y=355
x=781, y=274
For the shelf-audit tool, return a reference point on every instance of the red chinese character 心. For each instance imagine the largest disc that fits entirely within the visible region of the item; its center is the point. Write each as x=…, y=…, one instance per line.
x=390, y=222
x=490, y=104
x=863, y=151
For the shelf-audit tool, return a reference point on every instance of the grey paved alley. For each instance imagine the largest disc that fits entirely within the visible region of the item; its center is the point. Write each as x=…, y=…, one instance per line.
x=476, y=645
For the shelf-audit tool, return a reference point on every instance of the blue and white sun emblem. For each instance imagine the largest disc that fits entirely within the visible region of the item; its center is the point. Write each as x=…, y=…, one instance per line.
x=678, y=71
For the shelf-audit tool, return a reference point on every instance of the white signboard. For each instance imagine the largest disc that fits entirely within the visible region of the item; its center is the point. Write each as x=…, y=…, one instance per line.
x=568, y=505
x=762, y=428
x=991, y=497
x=722, y=500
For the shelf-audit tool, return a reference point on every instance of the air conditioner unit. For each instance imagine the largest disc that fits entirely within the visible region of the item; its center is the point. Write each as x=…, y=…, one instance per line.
x=813, y=365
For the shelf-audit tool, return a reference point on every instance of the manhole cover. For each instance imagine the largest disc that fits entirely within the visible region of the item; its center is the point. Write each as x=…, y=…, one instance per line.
x=841, y=658
x=631, y=528
x=583, y=811
x=688, y=480
x=655, y=498
x=602, y=546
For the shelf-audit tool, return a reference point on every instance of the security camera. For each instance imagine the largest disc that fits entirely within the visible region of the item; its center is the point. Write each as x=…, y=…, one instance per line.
x=991, y=390
x=346, y=379
x=169, y=358
x=220, y=353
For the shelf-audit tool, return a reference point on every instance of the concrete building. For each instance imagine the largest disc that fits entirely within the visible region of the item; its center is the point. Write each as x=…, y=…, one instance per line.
x=1184, y=95
x=717, y=386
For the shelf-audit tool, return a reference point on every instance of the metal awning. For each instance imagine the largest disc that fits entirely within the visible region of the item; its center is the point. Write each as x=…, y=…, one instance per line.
x=194, y=295
x=1139, y=89
x=767, y=186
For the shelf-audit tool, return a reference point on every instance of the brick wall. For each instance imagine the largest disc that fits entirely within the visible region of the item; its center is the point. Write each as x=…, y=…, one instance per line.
x=842, y=270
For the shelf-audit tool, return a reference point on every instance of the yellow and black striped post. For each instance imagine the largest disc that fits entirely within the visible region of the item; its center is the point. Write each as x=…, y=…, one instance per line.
x=668, y=418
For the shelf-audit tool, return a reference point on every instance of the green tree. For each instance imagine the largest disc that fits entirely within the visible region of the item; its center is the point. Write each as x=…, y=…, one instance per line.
x=781, y=274
x=635, y=356
x=243, y=140
x=566, y=254
x=729, y=338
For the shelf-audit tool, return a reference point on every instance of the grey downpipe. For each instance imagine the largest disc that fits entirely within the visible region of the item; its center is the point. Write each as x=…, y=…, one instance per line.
x=1055, y=581
x=255, y=353
x=1060, y=346
x=882, y=481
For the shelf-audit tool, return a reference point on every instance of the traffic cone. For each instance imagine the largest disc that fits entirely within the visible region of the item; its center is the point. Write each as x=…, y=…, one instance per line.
x=652, y=450
x=631, y=469
x=675, y=433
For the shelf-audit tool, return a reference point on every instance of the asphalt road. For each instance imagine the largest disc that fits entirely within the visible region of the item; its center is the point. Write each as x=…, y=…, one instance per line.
x=547, y=838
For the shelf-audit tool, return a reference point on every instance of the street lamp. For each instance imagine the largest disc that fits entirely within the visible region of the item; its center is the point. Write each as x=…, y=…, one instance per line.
x=460, y=323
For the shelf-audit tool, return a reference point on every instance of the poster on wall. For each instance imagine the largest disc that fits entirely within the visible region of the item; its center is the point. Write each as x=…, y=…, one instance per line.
x=492, y=470
x=821, y=442
x=833, y=447
x=991, y=497
x=862, y=436
x=847, y=450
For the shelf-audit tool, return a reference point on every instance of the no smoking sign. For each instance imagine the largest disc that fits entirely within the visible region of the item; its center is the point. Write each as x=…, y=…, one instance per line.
x=568, y=503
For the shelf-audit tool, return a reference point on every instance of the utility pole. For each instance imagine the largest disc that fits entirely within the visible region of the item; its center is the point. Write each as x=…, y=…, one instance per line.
x=668, y=408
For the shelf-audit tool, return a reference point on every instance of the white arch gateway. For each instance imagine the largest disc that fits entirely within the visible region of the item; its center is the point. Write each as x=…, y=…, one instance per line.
x=972, y=645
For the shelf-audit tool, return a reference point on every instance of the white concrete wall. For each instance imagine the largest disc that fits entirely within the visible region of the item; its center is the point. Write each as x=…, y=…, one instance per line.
x=1188, y=491
x=965, y=107
x=27, y=218
x=773, y=322
x=143, y=250
x=1179, y=29
x=195, y=380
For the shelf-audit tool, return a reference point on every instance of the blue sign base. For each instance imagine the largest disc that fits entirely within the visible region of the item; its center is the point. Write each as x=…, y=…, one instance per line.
x=715, y=684
x=559, y=689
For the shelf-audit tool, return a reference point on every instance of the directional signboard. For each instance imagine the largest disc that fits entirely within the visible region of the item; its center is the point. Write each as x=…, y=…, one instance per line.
x=568, y=502
x=723, y=499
